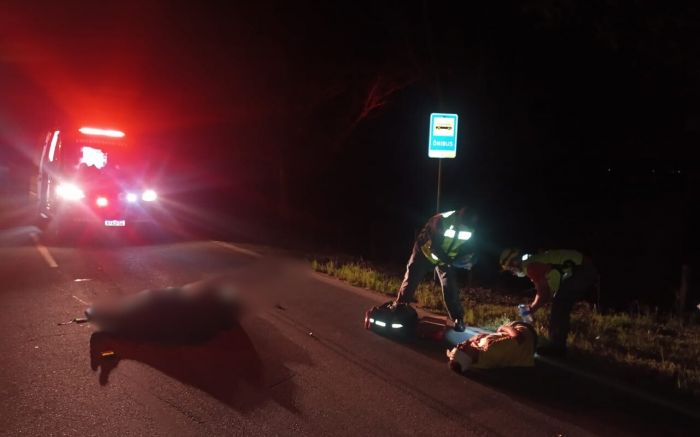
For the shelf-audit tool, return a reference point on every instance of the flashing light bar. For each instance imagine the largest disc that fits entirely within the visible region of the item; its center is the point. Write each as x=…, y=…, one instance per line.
x=101, y=132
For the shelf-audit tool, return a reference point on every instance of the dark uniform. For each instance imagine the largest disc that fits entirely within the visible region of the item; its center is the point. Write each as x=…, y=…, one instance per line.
x=569, y=275
x=443, y=244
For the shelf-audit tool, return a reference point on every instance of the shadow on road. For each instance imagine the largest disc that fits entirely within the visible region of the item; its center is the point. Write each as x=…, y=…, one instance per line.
x=18, y=236
x=227, y=367
x=564, y=395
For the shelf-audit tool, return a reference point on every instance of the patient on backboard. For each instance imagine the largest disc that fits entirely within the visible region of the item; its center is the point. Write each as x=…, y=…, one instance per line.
x=512, y=345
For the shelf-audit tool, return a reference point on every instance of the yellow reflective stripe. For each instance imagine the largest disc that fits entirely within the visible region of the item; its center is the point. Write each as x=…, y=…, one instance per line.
x=463, y=235
x=450, y=233
x=447, y=213
x=554, y=280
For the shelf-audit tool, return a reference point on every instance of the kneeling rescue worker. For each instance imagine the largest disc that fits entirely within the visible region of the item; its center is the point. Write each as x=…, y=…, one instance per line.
x=444, y=244
x=560, y=276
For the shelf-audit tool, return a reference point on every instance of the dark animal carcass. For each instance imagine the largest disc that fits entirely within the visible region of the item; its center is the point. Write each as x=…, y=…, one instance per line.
x=195, y=312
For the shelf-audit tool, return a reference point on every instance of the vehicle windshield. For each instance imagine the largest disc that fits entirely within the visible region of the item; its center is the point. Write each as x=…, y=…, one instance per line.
x=86, y=159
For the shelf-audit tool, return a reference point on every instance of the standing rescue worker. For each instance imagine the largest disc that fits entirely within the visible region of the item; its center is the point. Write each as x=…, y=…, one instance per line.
x=560, y=276
x=444, y=244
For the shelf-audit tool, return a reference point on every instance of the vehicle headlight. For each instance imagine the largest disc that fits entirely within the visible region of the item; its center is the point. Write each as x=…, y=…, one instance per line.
x=70, y=192
x=149, y=196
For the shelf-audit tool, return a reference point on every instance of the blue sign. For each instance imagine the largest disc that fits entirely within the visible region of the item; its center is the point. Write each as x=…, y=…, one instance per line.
x=442, y=142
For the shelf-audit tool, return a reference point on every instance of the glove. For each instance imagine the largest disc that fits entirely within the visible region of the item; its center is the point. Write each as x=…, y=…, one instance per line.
x=465, y=262
x=525, y=313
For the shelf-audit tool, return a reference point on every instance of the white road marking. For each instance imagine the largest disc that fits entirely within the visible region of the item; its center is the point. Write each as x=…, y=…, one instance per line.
x=80, y=300
x=238, y=249
x=44, y=252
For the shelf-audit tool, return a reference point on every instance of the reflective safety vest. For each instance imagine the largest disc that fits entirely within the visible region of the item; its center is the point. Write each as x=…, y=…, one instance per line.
x=453, y=238
x=561, y=262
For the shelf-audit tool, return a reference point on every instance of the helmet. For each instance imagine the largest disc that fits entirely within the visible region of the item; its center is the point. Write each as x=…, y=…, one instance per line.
x=507, y=256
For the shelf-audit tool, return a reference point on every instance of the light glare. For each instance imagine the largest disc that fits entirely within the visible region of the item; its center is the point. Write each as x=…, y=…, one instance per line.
x=464, y=235
x=149, y=196
x=70, y=192
x=101, y=132
x=52, y=149
x=93, y=157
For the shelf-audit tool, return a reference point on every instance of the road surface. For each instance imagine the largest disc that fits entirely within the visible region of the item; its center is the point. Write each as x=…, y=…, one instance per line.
x=300, y=364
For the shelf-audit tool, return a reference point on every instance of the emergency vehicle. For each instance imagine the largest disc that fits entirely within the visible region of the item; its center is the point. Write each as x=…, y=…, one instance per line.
x=94, y=176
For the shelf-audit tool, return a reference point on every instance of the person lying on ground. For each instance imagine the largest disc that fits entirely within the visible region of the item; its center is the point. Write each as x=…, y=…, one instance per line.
x=512, y=345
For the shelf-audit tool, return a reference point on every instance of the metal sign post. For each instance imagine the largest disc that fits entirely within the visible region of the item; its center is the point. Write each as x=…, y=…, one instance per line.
x=437, y=205
x=442, y=142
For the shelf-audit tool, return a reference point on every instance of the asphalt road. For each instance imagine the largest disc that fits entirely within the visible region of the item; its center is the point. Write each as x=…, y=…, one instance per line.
x=299, y=364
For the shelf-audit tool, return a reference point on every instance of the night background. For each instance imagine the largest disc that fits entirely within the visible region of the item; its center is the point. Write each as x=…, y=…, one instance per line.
x=307, y=122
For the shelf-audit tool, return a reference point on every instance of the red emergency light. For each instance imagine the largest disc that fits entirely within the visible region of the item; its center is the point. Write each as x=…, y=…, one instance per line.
x=101, y=132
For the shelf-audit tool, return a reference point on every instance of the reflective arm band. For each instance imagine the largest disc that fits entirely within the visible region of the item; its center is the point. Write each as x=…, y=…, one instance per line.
x=463, y=235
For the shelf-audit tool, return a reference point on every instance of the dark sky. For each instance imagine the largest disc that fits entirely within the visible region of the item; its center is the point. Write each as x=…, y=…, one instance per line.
x=317, y=112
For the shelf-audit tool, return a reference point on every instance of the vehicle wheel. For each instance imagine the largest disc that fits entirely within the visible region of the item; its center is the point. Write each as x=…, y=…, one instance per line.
x=41, y=220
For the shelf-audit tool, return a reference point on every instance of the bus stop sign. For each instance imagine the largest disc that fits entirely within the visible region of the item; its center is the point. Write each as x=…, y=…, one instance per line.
x=442, y=141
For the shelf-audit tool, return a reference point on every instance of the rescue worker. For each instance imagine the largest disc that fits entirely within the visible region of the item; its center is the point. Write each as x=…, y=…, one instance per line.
x=443, y=245
x=560, y=276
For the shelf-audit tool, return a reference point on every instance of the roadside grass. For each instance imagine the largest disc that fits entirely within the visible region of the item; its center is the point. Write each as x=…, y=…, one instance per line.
x=658, y=352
